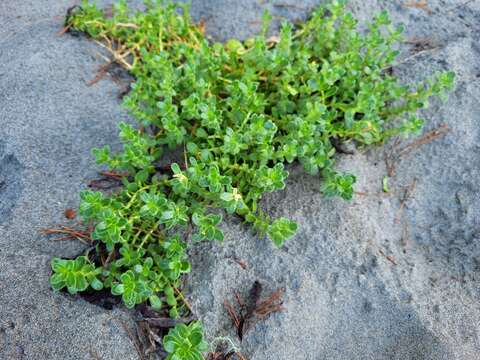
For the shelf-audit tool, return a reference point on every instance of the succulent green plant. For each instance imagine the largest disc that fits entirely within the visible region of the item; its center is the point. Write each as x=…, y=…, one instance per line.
x=185, y=342
x=75, y=275
x=238, y=112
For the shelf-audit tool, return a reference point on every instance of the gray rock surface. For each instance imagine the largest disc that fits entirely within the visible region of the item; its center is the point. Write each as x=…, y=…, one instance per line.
x=363, y=279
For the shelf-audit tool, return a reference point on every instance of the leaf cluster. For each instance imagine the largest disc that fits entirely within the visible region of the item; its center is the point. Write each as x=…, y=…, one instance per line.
x=185, y=342
x=238, y=112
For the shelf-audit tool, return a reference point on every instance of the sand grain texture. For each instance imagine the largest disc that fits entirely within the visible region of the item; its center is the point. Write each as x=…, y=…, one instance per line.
x=345, y=297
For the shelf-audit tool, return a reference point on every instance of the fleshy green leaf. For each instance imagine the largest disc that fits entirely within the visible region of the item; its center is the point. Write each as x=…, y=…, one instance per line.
x=281, y=230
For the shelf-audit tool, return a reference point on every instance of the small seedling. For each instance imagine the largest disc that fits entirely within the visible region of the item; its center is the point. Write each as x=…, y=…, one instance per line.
x=385, y=187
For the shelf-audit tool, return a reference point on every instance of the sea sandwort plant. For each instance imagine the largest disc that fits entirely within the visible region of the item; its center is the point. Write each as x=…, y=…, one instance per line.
x=238, y=113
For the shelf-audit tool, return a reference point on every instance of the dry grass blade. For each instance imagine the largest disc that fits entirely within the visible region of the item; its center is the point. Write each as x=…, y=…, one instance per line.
x=127, y=25
x=240, y=301
x=118, y=56
x=202, y=26
x=430, y=136
x=63, y=30
x=396, y=151
x=109, y=258
x=185, y=302
x=69, y=234
x=423, y=5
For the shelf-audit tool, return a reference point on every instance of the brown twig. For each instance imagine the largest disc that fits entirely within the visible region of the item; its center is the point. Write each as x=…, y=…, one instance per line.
x=430, y=136
x=233, y=315
x=110, y=256
x=388, y=257
x=361, y=193
x=113, y=175
x=102, y=184
x=396, y=152
x=179, y=293
x=416, y=54
x=106, y=182
x=152, y=336
x=102, y=71
x=70, y=234
x=242, y=263
x=422, y=44
x=239, y=299
x=116, y=51
x=134, y=339
x=63, y=30
x=418, y=5
x=379, y=194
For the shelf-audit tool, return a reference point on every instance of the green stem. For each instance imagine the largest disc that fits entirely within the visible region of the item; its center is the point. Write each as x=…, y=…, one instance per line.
x=149, y=234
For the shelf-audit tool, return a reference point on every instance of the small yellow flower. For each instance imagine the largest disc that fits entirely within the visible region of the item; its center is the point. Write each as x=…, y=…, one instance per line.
x=181, y=177
x=236, y=195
